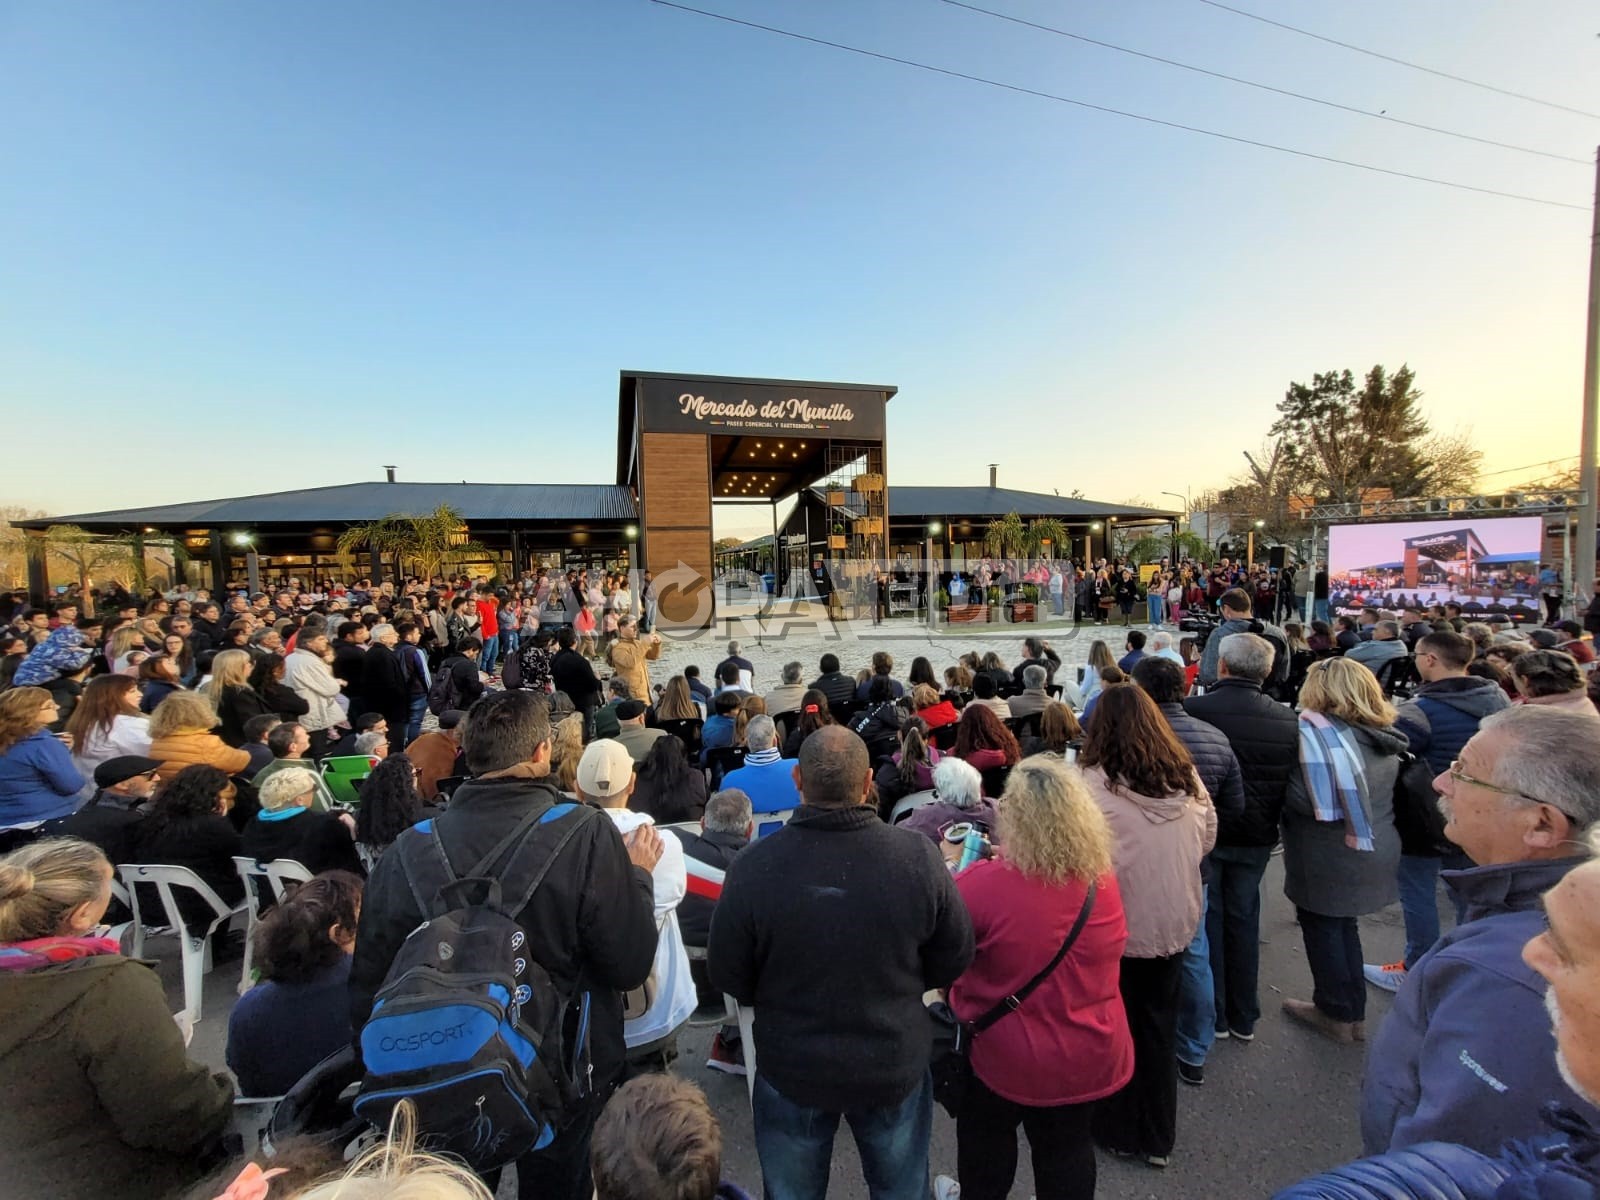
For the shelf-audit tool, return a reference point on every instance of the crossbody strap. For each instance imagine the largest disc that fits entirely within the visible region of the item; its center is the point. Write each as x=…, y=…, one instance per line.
x=1014, y=1001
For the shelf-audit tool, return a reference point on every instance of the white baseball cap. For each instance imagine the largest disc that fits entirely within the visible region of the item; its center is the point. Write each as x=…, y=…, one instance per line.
x=605, y=770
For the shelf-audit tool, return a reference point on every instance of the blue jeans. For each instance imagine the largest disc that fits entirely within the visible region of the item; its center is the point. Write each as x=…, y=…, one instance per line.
x=510, y=641
x=1197, y=1001
x=795, y=1145
x=1333, y=952
x=1419, y=886
x=1233, y=932
x=491, y=652
x=1158, y=608
x=414, y=711
x=1319, y=610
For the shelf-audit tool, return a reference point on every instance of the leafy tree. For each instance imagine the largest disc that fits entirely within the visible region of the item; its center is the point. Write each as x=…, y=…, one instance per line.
x=726, y=543
x=428, y=541
x=1006, y=536
x=1339, y=440
x=1047, y=529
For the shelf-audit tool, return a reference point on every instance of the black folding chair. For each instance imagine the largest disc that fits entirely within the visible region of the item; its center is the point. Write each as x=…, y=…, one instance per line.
x=720, y=761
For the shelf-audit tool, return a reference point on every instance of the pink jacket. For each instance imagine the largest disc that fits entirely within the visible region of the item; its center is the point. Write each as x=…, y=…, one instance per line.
x=1159, y=844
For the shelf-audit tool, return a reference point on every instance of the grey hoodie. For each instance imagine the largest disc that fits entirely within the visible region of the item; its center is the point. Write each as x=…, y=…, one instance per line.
x=1444, y=714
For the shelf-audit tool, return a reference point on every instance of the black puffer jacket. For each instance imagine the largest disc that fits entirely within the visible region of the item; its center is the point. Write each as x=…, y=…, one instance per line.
x=1266, y=739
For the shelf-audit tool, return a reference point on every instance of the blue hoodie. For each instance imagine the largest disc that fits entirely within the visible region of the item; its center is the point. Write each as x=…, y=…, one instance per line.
x=60, y=653
x=37, y=782
x=1466, y=1054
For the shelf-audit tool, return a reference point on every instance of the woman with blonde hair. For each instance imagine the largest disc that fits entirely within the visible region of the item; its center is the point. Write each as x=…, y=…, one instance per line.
x=677, y=702
x=107, y=723
x=566, y=749
x=123, y=643
x=180, y=736
x=1164, y=824
x=237, y=702
x=38, y=783
x=101, y=1098
x=1340, y=848
x=1099, y=659
x=1045, y=1063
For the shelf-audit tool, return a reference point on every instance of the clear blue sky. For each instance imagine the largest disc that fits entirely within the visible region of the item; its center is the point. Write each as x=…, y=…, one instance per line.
x=250, y=247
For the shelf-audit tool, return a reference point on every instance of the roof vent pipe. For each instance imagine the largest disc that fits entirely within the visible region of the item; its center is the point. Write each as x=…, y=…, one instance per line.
x=994, y=474
x=388, y=469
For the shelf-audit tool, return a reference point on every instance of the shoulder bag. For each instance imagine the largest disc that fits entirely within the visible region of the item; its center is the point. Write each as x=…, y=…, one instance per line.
x=951, y=1064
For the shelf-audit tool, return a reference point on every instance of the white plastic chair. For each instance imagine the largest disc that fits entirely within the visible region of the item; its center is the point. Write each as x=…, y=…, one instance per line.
x=196, y=949
x=254, y=877
x=746, y=1017
x=907, y=805
x=771, y=822
x=281, y=873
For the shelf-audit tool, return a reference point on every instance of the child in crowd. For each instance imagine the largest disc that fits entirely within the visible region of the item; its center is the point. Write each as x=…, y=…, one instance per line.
x=658, y=1140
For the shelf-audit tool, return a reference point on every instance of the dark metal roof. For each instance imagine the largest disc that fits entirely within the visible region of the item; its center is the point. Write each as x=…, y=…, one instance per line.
x=478, y=503
x=997, y=502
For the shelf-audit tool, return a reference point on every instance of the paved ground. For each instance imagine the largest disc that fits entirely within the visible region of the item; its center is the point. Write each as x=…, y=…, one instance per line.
x=1269, y=1113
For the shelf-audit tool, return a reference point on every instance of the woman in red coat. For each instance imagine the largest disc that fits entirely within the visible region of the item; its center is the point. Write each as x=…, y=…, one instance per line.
x=1044, y=1064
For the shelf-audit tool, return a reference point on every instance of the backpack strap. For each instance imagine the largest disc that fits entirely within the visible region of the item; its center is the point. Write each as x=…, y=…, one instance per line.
x=429, y=871
x=1014, y=1001
x=523, y=873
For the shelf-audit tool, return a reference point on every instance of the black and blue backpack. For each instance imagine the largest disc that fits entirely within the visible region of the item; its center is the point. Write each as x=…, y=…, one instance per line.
x=467, y=1025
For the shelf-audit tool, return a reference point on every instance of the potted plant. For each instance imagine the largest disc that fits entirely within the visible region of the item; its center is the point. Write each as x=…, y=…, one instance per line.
x=868, y=485
x=836, y=537
x=1025, y=606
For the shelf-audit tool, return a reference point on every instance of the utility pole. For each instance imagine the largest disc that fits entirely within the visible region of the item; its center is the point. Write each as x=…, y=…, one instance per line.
x=1582, y=583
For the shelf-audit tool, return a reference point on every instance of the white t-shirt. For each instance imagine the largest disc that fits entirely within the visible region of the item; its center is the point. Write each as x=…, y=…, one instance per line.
x=675, y=991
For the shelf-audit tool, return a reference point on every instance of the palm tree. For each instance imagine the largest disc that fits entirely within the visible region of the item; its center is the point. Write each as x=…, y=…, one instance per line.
x=428, y=541
x=1005, y=537
x=1046, y=537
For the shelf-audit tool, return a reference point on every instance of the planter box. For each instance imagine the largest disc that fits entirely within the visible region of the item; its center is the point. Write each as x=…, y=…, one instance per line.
x=1023, y=611
x=868, y=485
x=836, y=541
x=970, y=614
x=835, y=499
x=868, y=526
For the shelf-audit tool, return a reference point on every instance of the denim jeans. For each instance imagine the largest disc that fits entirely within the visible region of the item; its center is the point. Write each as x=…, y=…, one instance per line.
x=1158, y=608
x=491, y=653
x=1233, y=933
x=1419, y=885
x=1197, y=1000
x=510, y=640
x=795, y=1145
x=1333, y=952
x=1319, y=610
x=414, y=711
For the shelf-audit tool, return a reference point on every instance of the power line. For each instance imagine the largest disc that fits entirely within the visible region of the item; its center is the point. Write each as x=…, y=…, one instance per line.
x=1488, y=87
x=1549, y=462
x=1117, y=112
x=1265, y=87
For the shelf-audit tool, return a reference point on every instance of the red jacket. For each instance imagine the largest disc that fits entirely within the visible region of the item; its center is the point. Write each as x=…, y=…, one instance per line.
x=939, y=715
x=488, y=621
x=1068, y=1043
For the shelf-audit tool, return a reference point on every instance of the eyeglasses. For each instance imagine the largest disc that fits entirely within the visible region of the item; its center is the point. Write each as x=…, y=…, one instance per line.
x=1460, y=776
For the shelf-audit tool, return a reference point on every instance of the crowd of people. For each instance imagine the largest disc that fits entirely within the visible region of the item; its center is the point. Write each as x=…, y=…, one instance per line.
x=1073, y=862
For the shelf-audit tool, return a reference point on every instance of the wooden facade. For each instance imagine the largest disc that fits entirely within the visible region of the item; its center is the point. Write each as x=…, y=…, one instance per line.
x=675, y=521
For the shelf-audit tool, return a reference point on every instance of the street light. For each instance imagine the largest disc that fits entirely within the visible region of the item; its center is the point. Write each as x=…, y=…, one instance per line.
x=1250, y=552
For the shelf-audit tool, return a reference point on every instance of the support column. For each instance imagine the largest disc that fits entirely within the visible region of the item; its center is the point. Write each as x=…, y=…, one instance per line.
x=252, y=569
x=219, y=563
x=374, y=565
x=136, y=552
x=38, y=569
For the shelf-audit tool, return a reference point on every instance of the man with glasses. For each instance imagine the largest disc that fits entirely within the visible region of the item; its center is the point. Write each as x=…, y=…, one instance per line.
x=1446, y=711
x=1465, y=1054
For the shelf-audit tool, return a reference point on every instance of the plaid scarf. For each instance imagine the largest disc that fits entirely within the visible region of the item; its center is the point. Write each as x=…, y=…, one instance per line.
x=1335, y=776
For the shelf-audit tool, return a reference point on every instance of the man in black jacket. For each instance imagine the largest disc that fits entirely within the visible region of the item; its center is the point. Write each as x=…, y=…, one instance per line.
x=350, y=664
x=209, y=634
x=1266, y=739
x=385, y=686
x=838, y=687
x=591, y=924
x=840, y=1025
x=572, y=674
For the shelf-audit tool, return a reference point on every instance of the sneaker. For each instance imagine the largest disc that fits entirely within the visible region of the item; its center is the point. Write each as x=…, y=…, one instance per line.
x=1223, y=1035
x=1191, y=1074
x=1386, y=978
x=1237, y=1036
x=1308, y=1014
x=727, y=1059
x=946, y=1188
x=1159, y=1161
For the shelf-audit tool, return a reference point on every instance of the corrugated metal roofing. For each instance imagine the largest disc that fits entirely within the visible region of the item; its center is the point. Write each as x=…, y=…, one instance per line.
x=916, y=501
x=486, y=503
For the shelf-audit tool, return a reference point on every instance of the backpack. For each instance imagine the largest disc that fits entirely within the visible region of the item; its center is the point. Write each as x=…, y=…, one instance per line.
x=1282, y=660
x=468, y=1024
x=442, y=693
